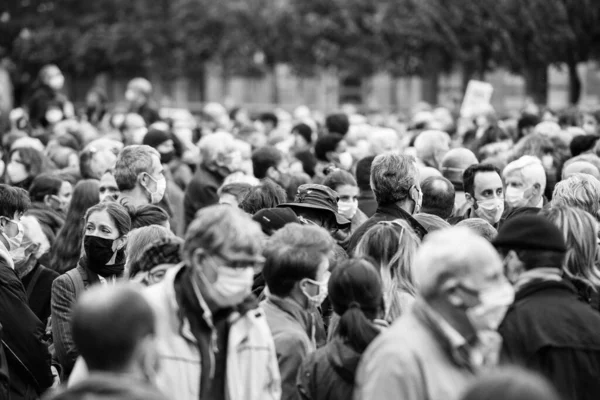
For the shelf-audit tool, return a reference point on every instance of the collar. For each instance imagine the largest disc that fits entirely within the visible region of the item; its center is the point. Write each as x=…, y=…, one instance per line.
x=453, y=337
x=397, y=212
x=541, y=203
x=303, y=316
x=538, y=275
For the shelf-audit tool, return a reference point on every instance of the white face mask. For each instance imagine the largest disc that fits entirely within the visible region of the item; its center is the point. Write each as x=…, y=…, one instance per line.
x=494, y=303
x=319, y=298
x=348, y=208
x=515, y=197
x=57, y=82
x=232, y=286
x=14, y=243
x=345, y=160
x=54, y=115
x=130, y=96
x=491, y=210
x=159, y=193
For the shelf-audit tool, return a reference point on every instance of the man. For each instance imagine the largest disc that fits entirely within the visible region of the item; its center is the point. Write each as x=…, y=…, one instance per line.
x=303, y=137
x=431, y=147
x=331, y=149
x=267, y=194
x=268, y=162
x=296, y=272
x=438, y=197
x=139, y=176
x=109, y=191
x=138, y=95
x=133, y=129
x=114, y=330
x=525, y=181
x=484, y=192
x=26, y=352
x=219, y=158
x=338, y=123
x=583, y=167
x=366, y=198
x=98, y=157
x=395, y=182
x=268, y=122
x=454, y=164
x=580, y=191
x=214, y=343
x=548, y=328
x=435, y=351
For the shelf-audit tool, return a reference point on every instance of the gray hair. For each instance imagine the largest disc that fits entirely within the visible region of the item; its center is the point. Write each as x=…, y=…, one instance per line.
x=580, y=191
x=427, y=142
x=216, y=147
x=132, y=161
x=530, y=168
x=138, y=239
x=481, y=227
x=392, y=176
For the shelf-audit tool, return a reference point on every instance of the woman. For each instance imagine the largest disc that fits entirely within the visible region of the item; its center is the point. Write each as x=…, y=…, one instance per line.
x=393, y=246
x=355, y=293
x=52, y=192
x=148, y=215
x=66, y=250
x=139, y=238
x=24, y=165
x=579, y=229
x=347, y=189
x=102, y=261
x=511, y=384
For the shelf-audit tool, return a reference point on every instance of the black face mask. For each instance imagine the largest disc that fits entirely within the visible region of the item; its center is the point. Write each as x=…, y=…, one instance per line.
x=99, y=252
x=166, y=158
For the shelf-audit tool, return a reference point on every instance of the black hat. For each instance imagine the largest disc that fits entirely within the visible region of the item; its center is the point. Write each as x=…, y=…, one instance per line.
x=156, y=137
x=530, y=232
x=318, y=197
x=273, y=219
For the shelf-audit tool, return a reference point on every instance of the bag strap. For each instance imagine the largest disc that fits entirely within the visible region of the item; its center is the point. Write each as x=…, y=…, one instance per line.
x=77, y=279
x=34, y=278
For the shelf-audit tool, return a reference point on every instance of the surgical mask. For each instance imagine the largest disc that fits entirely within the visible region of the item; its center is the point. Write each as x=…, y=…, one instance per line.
x=491, y=310
x=130, y=96
x=319, y=298
x=57, y=82
x=161, y=187
x=345, y=160
x=491, y=210
x=232, y=286
x=515, y=197
x=54, y=115
x=348, y=208
x=15, y=242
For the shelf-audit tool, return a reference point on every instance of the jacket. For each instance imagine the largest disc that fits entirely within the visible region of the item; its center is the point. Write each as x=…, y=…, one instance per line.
x=201, y=192
x=27, y=356
x=367, y=203
x=328, y=373
x=550, y=330
x=293, y=332
x=38, y=287
x=411, y=361
x=388, y=212
x=252, y=372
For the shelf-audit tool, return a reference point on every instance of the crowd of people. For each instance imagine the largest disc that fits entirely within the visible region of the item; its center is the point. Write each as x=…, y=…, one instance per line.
x=149, y=254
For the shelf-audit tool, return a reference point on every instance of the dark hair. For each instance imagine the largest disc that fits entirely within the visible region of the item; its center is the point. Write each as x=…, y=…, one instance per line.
x=296, y=180
x=305, y=131
x=511, y=383
x=363, y=173
x=326, y=144
x=469, y=176
x=117, y=213
x=266, y=195
x=269, y=117
x=44, y=185
x=438, y=196
x=527, y=121
x=13, y=200
x=308, y=160
x=66, y=249
x=337, y=123
x=533, y=259
x=356, y=295
x=339, y=178
x=34, y=161
x=292, y=254
x=147, y=215
x=265, y=158
x=582, y=143
x=237, y=189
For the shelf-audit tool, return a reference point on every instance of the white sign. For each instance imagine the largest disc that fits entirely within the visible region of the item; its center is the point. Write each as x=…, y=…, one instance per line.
x=477, y=97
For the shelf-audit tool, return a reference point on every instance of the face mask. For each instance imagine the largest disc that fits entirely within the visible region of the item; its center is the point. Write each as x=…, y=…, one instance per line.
x=319, y=298
x=57, y=82
x=161, y=186
x=548, y=162
x=166, y=158
x=515, y=197
x=99, y=252
x=16, y=172
x=232, y=286
x=348, y=208
x=14, y=243
x=345, y=160
x=59, y=205
x=491, y=210
x=54, y=115
x=492, y=308
x=130, y=96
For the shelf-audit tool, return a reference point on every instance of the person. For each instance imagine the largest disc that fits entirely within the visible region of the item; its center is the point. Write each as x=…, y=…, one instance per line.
x=526, y=125
x=109, y=191
x=114, y=328
x=355, y=293
x=66, y=250
x=449, y=336
x=219, y=159
x=138, y=95
x=438, y=197
x=268, y=162
x=303, y=137
x=24, y=165
x=103, y=260
x=171, y=150
x=337, y=123
x=210, y=294
x=268, y=122
x=331, y=149
x=139, y=176
x=52, y=191
x=395, y=182
x=149, y=215
x=139, y=238
x=454, y=164
x=273, y=219
x=525, y=181
x=431, y=147
x=580, y=191
x=232, y=194
x=48, y=105
x=296, y=273
x=267, y=194
x=366, y=198
x=583, y=167
x=481, y=227
x=133, y=129
x=431, y=222
x=98, y=157
x=511, y=383
x=155, y=259
x=28, y=361
x=36, y=278
x=392, y=246
x=547, y=329
x=579, y=230
x=344, y=184
x=484, y=192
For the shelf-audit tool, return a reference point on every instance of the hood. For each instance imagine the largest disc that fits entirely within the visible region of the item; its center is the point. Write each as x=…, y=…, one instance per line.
x=109, y=387
x=343, y=359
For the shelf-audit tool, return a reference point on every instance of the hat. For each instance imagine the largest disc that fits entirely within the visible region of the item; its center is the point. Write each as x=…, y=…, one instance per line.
x=155, y=138
x=530, y=232
x=318, y=197
x=273, y=219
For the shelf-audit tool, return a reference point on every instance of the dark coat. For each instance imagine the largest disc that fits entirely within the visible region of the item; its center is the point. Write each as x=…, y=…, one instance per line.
x=367, y=203
x=550, y=330
x=328, y=373
x=38, y=286
x=201, y=192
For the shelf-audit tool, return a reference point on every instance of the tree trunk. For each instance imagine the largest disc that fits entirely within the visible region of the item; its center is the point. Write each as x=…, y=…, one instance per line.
x=536, y=83
x=274, y=85
x=574, y=84
x=431, y=77
x=393, y=94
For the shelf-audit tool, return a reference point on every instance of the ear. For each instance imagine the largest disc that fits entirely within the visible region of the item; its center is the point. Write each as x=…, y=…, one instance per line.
x=47, y=200
x=120, y=243
x=271, y=172
x=537, y=188
x=450, y=291
x=469, y=199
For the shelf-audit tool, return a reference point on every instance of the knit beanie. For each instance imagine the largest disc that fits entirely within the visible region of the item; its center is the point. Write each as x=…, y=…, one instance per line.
x=273, y=219
x=530, y=232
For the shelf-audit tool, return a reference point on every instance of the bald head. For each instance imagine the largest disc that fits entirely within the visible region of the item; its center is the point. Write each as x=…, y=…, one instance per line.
x=108, y=325
x=582, y=167
x=431, y=147
x=438, y=196
x=454, y=164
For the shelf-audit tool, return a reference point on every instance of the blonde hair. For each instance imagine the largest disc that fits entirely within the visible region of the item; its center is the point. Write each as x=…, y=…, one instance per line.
x=579, y=228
